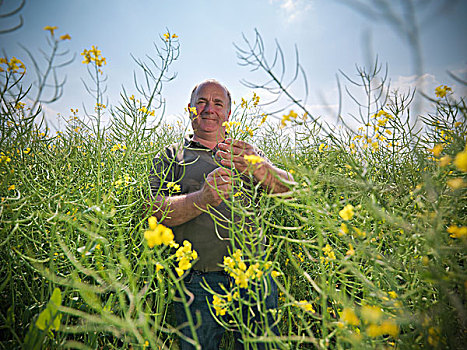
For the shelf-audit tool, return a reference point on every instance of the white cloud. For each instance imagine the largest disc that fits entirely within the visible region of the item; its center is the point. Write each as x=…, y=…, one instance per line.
x=293, y=10
x=424, y=83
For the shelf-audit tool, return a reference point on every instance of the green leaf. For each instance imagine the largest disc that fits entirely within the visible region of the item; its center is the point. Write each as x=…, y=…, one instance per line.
x=49, y=319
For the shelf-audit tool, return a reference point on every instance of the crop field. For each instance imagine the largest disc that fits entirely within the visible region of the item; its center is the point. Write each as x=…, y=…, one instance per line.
x=367, y=247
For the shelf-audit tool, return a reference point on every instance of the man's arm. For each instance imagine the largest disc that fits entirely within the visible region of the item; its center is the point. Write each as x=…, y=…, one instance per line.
x=269, y=176
x=176, y=210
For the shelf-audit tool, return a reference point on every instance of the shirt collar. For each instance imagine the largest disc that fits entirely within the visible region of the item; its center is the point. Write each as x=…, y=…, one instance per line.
x=190, y=143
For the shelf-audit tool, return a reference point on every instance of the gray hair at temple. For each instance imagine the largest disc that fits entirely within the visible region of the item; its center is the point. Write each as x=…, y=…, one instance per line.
x=211, y=81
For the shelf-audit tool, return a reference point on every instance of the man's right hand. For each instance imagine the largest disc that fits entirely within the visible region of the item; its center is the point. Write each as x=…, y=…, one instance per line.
x=216, y=187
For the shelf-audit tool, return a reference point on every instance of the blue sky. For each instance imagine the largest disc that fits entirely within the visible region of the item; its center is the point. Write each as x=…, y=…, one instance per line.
x=328, y=33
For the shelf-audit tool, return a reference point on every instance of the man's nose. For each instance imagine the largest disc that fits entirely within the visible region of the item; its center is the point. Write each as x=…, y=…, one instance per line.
x=209, y=108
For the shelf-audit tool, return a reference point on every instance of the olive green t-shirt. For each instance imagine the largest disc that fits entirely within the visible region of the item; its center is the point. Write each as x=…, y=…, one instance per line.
x=187, y=165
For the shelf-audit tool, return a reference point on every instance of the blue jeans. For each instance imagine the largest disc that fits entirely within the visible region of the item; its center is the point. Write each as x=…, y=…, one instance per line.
x=210, y=332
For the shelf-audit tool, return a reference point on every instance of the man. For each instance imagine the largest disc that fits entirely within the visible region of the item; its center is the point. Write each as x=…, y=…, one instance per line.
x=203, y=167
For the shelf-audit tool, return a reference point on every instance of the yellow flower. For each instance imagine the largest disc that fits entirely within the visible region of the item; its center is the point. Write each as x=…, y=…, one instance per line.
x=446, y=160
x=461, y=160
x=174, y=36
x=371, y=313
x=457, y=232
x=349, y=317
x=351, y=251
x=184, y=264
x=159, y=235
x=175, y=187
x=50, y=29
x=152, y=221
x=392, y=294
x=15, y=64
x=229, y=262
x=329, y=252
x=442, y=90
x=360, y=232
x=194, y=111
x=344, y=230
x=322, y=147
x=347, y=212
x=241, y=279
x=179, y=271
x=305, y=305
x=65, y=37
x=286, y=117
x=275, y=274
x=252, y=159
x=455, y=183
x=386, y=327
x=11, y=187
x=436, y=150
x=167, y=36
x=219, y=305
x=93, y=55
x=159, y=267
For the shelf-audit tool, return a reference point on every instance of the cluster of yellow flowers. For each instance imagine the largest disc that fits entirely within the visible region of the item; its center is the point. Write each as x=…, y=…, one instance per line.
x=13, y=65
x=347, y=212
x=263, y=120
x=52, y=29
x=167, y=36
x=220, y=304
x=191, y=110
x=457, y=232
x=144, y=110
x=172, y=186
x=379, y=123
x=93, y=55
x=184, y=256
x=236, y=267
x=4, y=158
x=287, y=117
x=442, y=90
x=255, y=99
x=125, y=180
x=252, y=159
x=117, y=147
x=329, y=253
x=238, y=270
x=158, y=234
x=305, y=305
x=461, y=160
x=372, y=316
x=232, y=125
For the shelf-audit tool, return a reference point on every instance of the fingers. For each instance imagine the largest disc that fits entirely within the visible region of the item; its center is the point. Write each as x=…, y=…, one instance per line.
x=236, y=147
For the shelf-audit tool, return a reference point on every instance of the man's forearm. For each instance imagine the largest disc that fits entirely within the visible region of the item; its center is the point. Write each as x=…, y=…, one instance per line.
x=176, y=210
x=273, y=179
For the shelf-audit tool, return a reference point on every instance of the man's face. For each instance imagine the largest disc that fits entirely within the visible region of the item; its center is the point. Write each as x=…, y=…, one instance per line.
x=212, y=105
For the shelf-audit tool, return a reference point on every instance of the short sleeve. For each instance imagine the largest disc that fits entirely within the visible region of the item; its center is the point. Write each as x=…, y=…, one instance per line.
x=162, y=172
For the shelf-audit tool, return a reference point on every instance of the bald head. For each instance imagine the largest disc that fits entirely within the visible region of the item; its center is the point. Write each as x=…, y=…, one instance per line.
x=211, y=81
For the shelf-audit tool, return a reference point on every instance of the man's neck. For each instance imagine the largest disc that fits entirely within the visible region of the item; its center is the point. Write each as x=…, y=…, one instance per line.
x=210, y=143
